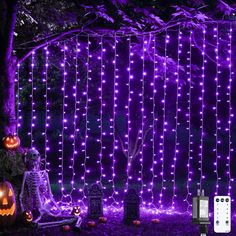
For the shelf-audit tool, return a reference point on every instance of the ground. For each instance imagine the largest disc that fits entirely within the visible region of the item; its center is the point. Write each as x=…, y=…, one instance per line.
x=170, y=225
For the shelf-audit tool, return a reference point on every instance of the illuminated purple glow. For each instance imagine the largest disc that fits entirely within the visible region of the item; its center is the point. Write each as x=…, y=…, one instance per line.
x=138, y=76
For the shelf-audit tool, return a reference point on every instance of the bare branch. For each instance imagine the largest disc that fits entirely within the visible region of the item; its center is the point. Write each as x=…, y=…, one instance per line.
x=140, y=146
x=122, y=146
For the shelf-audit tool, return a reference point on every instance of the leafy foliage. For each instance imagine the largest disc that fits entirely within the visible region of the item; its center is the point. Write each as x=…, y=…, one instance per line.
x=36, y=20
x=11, y=163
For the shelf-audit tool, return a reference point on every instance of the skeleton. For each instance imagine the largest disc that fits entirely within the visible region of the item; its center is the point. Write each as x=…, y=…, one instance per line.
x=36, y=191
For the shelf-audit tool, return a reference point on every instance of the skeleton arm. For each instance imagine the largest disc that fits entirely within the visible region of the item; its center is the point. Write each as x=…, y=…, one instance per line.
x=22, y=193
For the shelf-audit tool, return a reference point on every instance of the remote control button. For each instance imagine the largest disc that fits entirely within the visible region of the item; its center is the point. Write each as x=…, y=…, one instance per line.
x=217, y=200
x=222, y=199
x=217, y=222
x=226, y=221
x=227, y=200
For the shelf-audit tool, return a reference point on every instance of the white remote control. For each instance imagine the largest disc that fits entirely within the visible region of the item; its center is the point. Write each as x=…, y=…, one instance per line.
x=222, y=214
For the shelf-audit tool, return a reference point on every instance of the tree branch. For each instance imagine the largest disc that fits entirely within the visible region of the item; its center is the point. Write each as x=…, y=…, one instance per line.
x=136, y=145
x=144, y=138
x=43, y=42
x=122, y=147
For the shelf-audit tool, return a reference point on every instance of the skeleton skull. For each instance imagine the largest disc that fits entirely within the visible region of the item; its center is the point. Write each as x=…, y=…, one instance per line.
x=32, y=160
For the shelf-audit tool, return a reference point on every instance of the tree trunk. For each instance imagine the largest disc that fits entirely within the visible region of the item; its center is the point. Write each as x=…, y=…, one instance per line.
x=7, y=96
x=8, y=64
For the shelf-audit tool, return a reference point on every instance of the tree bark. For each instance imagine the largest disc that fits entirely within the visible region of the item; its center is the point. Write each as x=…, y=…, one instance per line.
x=7, y=100
x=8, y=64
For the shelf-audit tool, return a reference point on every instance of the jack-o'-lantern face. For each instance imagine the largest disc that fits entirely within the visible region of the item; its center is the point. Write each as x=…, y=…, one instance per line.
x=76, y=211
x=7, y=200
x=27, y=216
x=11, y=142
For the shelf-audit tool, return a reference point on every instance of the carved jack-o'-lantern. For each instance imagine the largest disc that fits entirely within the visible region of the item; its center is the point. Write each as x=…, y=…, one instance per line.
x=7, y=204
x=11, y=142
x=27, y=217
x=76, y=211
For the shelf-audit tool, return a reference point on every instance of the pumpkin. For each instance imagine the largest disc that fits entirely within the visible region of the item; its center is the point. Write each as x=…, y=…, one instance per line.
x=102, y=219
x=66, y=228
x=137, y=222
x=27, y=217
x=11, y=142
x=155, y=221
x=76, y=211
x=7, y=204
x=91, y=223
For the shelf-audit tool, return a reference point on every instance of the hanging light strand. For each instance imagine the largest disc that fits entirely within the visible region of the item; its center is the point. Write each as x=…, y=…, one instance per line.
x=84, y=144
x=154, y=119
x=115, y=142
x=177, y=110
x=144, y=49
x=216, y=109
x=229, y=59
x=47, y=116
x=62, y=135
x=202, y=83
x=162, y=143
x=32, y=123
x=129, y=158
x=18, y=102
x=101, y=111
x=190, y=142
x=75, y=117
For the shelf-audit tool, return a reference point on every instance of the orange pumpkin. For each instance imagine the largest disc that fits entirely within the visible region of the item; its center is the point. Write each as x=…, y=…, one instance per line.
x=137, y=222
x=102, y=219
x=91, y=223
x=7, y=204
x=155, y=221
x=11, y=142
x=76, y=211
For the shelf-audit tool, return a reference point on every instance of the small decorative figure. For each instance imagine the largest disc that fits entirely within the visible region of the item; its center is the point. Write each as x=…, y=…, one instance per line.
x=76, y=210
x=27, y=217
x=95, y=205
x=7, y=204
x=36, y=190
x=131, y=206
